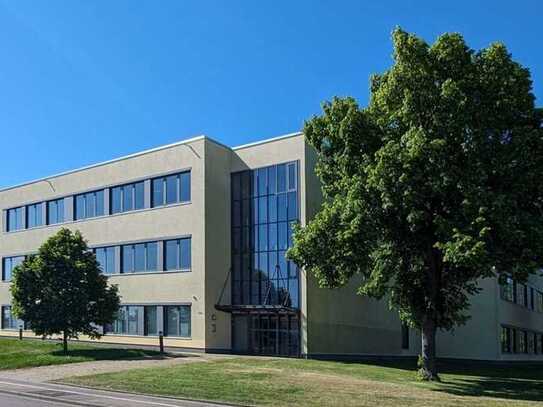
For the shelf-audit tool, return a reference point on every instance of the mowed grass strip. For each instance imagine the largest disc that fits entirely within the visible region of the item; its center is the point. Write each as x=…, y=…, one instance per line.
x=15, y=354
x=296, y=382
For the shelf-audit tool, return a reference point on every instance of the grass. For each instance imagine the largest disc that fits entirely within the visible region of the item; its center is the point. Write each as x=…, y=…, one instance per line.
x=15, y=354
x=295, y=382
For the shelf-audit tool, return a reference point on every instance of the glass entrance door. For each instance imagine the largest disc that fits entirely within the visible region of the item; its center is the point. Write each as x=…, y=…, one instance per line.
x=266, y=334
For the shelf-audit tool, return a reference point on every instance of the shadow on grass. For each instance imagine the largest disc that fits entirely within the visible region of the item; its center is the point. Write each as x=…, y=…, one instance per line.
x=514, y=381
x=115, y=354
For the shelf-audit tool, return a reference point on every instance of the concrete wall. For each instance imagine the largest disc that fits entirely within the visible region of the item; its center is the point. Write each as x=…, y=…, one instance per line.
x=147, y=224
x=217, y=248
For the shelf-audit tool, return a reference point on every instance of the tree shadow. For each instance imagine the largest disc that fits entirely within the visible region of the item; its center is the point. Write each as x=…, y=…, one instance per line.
x=513, y=381
x=115, y=354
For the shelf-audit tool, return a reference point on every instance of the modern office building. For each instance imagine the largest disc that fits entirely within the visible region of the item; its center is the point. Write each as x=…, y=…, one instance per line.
x=195, y=233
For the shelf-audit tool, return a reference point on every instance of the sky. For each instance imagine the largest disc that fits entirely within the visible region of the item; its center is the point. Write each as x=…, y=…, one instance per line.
x=88, y=81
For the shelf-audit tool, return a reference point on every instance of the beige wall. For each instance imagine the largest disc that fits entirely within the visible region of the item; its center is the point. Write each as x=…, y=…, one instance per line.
x=148, y=224
x=217, y=248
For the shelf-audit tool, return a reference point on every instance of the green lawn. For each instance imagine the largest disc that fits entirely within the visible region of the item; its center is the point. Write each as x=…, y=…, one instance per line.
x=16, y=354
x=295, y=382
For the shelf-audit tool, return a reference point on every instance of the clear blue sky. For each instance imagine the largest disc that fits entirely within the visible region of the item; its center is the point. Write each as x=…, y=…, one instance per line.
x=87, y=81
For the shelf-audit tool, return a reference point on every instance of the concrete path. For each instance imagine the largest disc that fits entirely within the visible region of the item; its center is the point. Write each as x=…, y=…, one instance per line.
x=17, y=393
x=43, y=374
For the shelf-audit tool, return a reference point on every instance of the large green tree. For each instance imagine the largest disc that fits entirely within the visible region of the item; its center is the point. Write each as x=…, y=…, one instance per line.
x=435, y=185
x=61, y=290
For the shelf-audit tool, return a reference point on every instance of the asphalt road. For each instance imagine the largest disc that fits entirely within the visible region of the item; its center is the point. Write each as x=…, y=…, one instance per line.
x=15, y=393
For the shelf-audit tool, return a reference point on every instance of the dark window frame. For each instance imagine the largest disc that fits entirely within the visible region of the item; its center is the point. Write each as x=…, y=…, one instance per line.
x=59, y=213
x=133, y=186
x=132, y=248
x=85, y=204
x=165, y=190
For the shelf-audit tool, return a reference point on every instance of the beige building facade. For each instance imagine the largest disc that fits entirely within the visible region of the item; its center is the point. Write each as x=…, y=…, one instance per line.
x=194, y=234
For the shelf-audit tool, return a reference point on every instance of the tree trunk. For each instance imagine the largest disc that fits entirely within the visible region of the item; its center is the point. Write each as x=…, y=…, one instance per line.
x=65, y=342
x=427, y=362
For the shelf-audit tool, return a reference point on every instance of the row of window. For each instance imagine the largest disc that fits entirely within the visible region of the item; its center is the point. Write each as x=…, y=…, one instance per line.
x=143, y=257
x=265, y=209
x=522, y=294
x=515, y=340
x=265, y=181
x=132, y=320
x=144, y=320
x=164, y=190
x=134, y=258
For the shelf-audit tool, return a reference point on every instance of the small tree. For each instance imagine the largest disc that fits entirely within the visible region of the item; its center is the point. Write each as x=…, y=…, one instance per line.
x=61, y=289
x=437, y=184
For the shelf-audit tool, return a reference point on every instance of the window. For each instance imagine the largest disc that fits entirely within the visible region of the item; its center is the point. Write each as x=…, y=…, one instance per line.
x=405, y=336
x=177, y=254
x=55, y=211
x=171, y=189
x=89, y=205
x=127, y=197
x=522, y=298
x=265, y=206
x=507, y=290
x=522, y=345
x=151, y=325
x=539, y=302
x=8, y=264
x=531, y=343
x=34, y=215
x=506, y=340
x=139, y=257
x=15, y=219
x=532, y=298
x=127, y=322
x=106, y=259
x=177, y=320
x=8, y=320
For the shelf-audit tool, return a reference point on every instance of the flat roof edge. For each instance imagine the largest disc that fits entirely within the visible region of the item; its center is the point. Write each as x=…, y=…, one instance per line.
x=151, y=150
x=270, y=140
x=88, y=167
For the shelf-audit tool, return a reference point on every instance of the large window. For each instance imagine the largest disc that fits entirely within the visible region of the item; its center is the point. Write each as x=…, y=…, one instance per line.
x=55, y=211
x=139, y=257
x=177, y=254
x=127, y=197
x=106, y=259
x=506, y=340
x=15, y=219
x=522, y=342
x=128, y=321
x=265, y=206
x=8, y=320
x=89, y=205
x=522, y=295
x=508, y=289
x=8, y=264
x=151, y=321
x=144, y=320
x=177, y=320
x=405, y=336
x=34, y=215
x=171, y=189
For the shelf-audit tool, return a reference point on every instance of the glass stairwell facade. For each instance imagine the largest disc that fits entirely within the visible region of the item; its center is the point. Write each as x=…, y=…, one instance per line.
x=265, y=285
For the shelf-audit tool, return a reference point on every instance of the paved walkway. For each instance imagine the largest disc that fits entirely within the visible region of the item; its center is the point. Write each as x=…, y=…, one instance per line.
x=44, y=374
x=15, y=393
